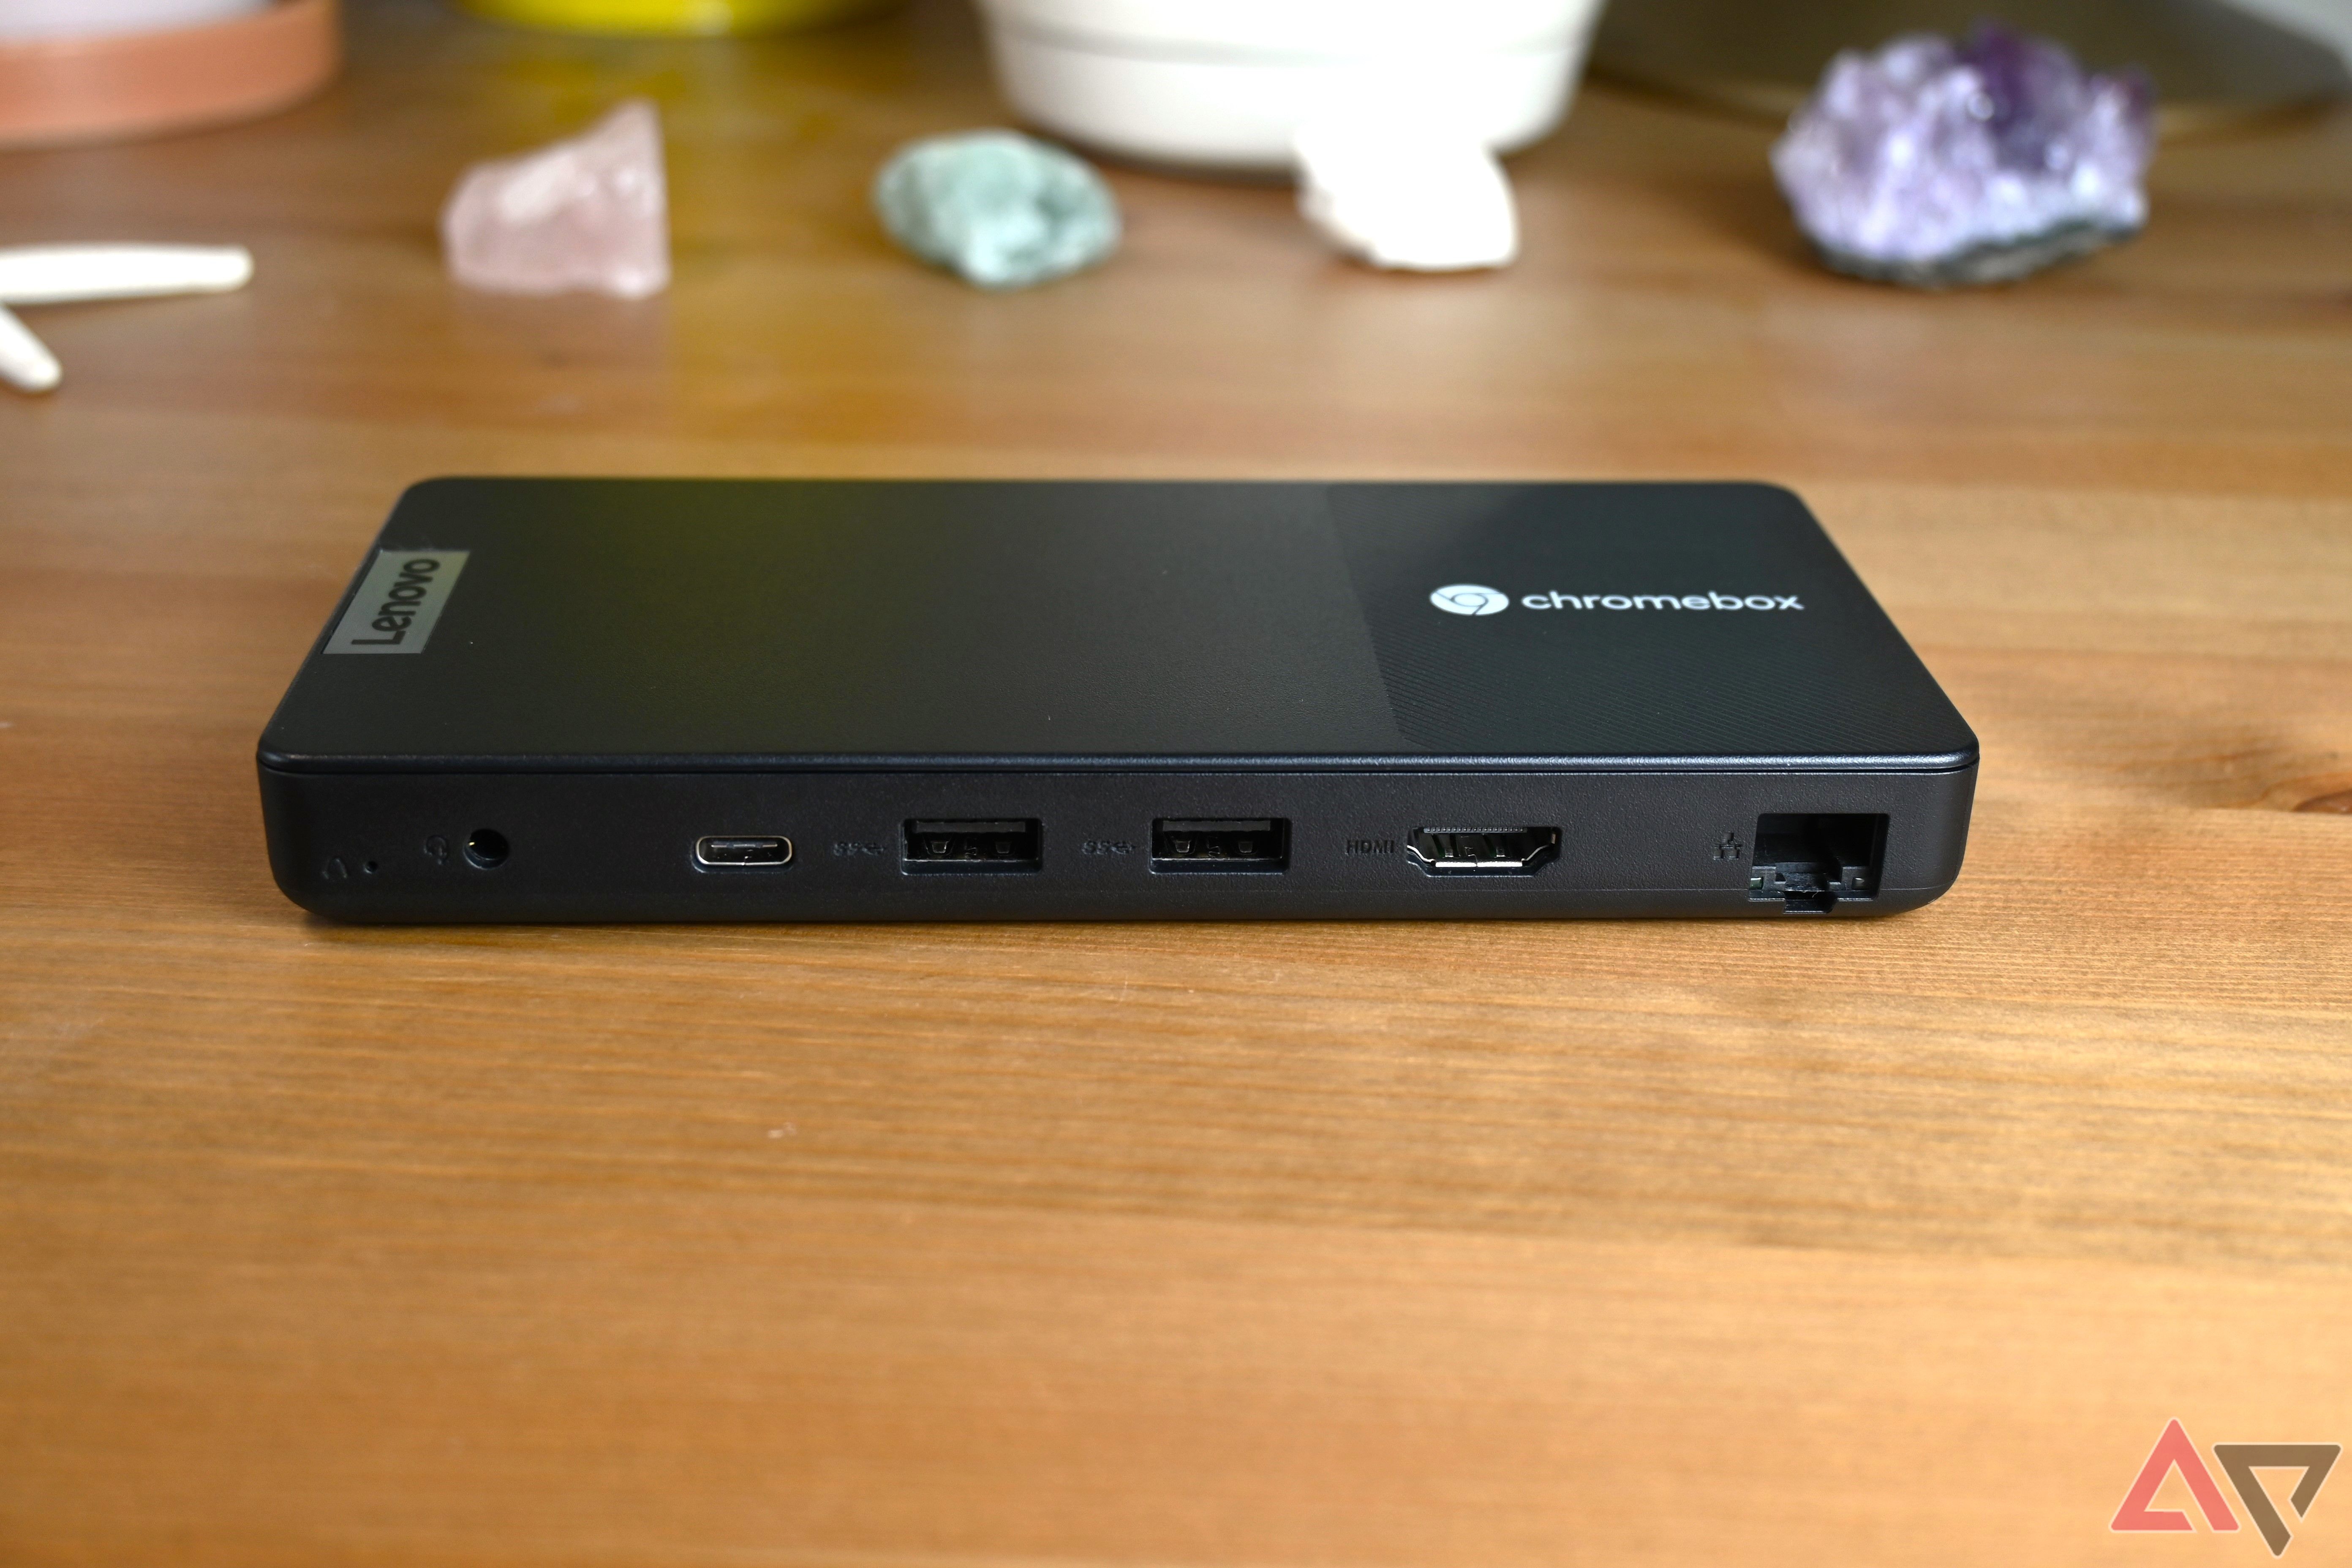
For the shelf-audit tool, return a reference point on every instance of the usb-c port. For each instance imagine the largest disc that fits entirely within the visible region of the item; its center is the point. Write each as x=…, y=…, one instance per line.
x=721, y=853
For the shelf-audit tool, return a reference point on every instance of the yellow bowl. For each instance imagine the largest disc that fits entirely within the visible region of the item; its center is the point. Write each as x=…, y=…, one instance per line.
x=675, y=16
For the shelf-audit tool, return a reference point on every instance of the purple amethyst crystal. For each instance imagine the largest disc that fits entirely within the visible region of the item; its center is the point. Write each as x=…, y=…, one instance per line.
x=1935, y=163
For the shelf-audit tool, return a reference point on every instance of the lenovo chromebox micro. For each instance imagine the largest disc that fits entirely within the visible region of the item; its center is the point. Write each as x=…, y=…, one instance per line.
x=619, y=700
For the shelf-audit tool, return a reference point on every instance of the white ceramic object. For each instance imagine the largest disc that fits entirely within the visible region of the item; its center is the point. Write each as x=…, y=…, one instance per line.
x=56, y=274
x=1409, y=196
x=25, y=361
x=1228, y=83
x=94, y=19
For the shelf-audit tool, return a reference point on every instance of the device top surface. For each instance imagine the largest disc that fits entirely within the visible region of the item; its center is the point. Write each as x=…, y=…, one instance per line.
x=627, y=623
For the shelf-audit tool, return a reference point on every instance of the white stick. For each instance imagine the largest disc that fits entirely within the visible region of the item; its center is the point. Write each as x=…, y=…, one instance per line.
x=25, y=361
x=53, y=274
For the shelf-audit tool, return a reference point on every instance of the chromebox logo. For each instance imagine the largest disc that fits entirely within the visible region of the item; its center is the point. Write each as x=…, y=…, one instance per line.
x=1470, y=599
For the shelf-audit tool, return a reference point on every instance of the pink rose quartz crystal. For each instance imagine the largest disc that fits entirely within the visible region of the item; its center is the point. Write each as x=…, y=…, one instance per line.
x=588, y=213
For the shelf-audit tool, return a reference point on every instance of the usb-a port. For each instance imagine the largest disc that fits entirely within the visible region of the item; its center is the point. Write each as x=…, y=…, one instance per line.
x=1221, y=844
x=990, y=845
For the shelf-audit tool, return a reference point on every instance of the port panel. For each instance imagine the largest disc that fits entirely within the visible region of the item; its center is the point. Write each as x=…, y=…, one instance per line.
x=620, y=846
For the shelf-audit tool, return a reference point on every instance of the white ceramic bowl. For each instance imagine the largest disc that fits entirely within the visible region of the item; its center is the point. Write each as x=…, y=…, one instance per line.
x=1226, y=83
x=92, y=18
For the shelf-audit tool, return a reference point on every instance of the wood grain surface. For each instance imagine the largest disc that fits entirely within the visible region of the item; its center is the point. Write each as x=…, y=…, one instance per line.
x=976, y=1247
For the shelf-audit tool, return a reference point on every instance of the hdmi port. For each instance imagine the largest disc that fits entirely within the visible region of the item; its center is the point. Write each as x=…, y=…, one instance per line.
x=755, y=849
x=1482, y=851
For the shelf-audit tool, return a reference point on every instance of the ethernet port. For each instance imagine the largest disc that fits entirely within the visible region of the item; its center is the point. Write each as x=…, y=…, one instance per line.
x=1807, y=863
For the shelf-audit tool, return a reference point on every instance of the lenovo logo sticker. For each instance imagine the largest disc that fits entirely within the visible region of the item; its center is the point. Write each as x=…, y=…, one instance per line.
x=398, y=601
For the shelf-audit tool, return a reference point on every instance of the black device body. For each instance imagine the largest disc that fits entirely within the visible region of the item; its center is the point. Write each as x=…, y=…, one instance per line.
x=624, y=700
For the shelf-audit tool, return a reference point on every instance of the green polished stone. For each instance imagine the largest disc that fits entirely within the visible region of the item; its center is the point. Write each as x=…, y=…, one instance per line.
x=1002, y=209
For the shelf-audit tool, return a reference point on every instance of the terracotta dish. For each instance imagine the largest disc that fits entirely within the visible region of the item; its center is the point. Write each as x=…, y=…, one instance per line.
x=118, y=84
x=695, y=16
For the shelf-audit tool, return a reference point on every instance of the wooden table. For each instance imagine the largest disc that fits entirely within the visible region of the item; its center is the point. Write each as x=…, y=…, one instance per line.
x=1705, y=1244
